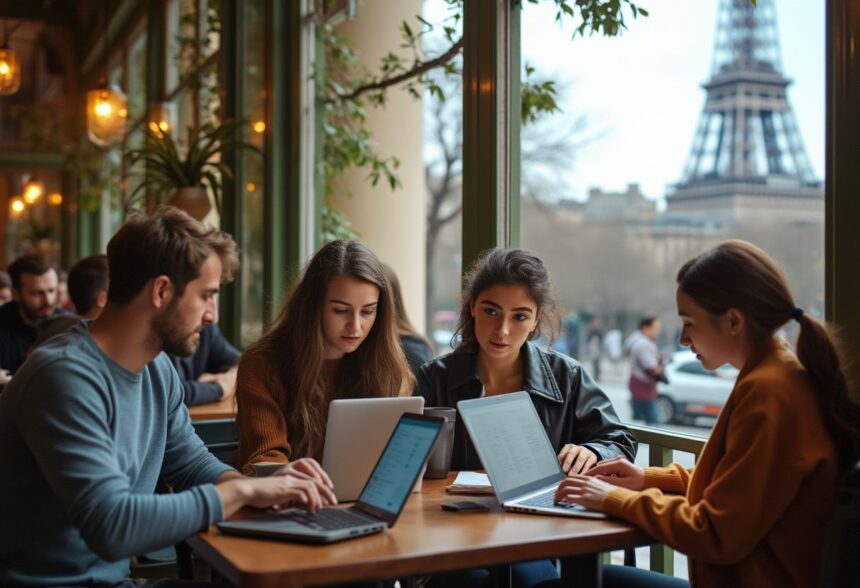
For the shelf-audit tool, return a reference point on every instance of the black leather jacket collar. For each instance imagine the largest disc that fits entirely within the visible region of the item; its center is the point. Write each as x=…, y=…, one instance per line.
x=537, y=373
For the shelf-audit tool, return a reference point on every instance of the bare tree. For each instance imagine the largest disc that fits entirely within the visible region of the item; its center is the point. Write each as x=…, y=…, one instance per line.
x=548, y=147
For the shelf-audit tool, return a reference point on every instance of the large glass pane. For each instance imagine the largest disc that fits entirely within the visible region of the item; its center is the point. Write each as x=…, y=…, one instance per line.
x=182, y=41
x=136, y=78
x=210, y=39
x=253, y=179
x=645, y=167
x=443, y=158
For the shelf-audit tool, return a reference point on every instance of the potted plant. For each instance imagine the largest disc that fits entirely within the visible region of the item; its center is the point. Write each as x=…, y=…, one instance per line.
x=183, y=180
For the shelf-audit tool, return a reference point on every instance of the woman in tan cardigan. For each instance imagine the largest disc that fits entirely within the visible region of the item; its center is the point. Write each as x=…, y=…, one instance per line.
x=336, y=337
x=753, y=511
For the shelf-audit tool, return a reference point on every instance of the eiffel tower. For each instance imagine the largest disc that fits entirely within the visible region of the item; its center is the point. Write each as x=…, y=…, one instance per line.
x=747, y=161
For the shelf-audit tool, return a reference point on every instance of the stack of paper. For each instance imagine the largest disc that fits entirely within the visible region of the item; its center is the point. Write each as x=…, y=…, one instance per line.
x=470, y=483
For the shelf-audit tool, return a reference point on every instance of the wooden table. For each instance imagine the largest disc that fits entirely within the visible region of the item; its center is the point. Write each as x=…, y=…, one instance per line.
x=223, y=409
x=425, y=540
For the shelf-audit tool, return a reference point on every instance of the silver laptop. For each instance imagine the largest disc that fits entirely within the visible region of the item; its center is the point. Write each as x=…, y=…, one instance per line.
x=379, y=504
x=517, y=455
x=356, y=433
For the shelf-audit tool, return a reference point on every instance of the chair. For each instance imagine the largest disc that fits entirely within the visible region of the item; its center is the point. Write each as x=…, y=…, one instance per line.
x=839, y=566
x=219, y=436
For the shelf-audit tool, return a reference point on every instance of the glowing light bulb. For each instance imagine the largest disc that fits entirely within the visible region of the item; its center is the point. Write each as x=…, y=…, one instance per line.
x=106, y=115
x=10, y=72
x=103, y=109
x=17, y=206
x=55, y=199
x=259, y=126
x=33, y=190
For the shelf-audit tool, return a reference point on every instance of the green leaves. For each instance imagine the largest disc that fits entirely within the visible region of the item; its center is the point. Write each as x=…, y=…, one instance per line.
x=166, y=169
x=345, y=88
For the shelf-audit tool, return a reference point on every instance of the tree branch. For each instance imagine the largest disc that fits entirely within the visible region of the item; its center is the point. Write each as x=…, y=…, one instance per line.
x=419, y=69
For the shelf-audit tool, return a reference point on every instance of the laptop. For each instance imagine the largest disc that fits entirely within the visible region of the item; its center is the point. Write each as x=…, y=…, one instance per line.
x=517, y=455
x=379, y=504
x=356, y=433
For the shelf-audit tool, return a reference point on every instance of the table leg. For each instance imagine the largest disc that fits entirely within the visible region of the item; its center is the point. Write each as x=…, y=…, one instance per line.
x=582, y=570
x=500, y=576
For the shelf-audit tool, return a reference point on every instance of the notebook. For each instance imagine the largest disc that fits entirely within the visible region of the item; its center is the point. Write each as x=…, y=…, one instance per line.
x=356, y=433
x=517, y=455
x=379, y=504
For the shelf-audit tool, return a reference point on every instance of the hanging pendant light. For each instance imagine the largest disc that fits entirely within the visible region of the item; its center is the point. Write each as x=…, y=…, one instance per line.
x=106, y=115
x=10, y=67
x=33, y=190
x=107, y=107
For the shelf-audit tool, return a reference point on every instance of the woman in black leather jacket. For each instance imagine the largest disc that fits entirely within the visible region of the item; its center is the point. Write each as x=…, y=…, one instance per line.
x=507, y=302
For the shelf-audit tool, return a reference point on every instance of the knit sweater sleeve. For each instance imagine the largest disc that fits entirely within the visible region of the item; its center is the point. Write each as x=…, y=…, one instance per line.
x=260, y=421
x=754, y=481
x=674, y=479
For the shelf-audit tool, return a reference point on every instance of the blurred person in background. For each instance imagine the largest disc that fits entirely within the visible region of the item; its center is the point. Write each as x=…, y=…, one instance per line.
x=34, y=293
x=5, y=287
x=646, y=369
x=87, y=288
x=415, y=345
x=63, y=300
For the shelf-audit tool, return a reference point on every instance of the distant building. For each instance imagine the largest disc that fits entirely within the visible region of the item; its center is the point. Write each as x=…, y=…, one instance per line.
x=629, y=206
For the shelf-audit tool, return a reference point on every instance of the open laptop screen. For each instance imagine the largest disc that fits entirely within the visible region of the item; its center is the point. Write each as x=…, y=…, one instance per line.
x=512, y=443
x=398, y=467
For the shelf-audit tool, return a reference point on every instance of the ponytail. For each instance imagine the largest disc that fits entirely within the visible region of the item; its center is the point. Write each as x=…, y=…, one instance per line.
x=818, y=351
x=737, y=274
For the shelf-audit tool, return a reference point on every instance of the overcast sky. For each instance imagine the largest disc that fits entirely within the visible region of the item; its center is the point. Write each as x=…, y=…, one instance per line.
x=641, y=92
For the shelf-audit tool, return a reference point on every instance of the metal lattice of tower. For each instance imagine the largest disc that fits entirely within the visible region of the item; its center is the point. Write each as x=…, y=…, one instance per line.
x=747, y=143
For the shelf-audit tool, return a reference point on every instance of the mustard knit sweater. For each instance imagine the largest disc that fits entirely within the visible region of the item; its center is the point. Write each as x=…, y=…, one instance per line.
x=754, y=509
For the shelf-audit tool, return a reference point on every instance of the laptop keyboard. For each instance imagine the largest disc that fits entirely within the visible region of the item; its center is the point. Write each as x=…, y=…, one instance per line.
x=329, y=519
x=547, y=500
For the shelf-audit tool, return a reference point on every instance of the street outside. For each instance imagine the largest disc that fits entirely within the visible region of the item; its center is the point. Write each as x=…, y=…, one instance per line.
x=613, y=381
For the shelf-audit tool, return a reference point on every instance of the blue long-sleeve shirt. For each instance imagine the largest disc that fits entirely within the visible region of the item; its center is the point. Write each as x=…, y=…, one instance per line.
x=214, y=354
x=83, y=442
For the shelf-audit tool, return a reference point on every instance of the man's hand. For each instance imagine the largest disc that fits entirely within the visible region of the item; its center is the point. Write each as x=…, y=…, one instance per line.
x=227, y=381
x=301, y=483
x=308, y=467
x=576, y=459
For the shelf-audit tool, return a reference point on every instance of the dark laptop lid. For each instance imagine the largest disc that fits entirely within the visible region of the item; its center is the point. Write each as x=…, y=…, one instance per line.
x=512, y=444
x=399, y=466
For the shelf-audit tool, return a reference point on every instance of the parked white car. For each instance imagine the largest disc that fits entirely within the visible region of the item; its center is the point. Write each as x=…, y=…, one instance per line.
x=693, y=391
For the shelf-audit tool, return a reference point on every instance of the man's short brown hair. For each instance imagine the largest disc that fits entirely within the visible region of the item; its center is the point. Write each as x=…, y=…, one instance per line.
x=166, y=242
x=87, y=278
x=33, y=264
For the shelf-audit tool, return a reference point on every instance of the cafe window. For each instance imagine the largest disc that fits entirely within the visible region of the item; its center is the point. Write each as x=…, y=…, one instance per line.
x=643, y=168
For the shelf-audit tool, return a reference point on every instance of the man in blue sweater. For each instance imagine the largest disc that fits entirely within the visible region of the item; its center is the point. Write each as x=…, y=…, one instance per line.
x=95, y=416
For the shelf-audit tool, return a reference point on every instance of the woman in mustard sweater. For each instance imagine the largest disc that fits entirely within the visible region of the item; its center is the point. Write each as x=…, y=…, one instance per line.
x=753, y=511
x=336, y=337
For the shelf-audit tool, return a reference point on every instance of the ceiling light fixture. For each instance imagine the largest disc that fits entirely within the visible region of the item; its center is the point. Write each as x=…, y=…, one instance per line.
x=107, y=109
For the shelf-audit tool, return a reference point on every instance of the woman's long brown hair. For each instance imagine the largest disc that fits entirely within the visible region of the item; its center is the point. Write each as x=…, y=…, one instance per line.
x=404, y=325
x=737, y=274
x=294, y=345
